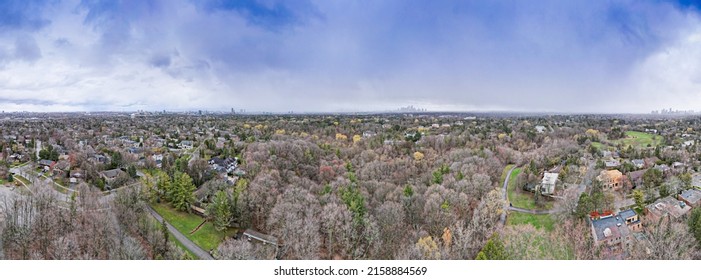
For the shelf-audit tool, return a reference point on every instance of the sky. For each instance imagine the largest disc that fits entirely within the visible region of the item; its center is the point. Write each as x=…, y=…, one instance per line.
x=627, y=56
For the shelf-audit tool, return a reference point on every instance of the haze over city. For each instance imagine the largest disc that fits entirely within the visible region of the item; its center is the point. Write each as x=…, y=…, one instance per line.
x=330, y=56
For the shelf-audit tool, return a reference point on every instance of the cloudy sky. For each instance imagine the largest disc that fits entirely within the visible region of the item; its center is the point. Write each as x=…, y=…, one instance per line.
x=321, y=56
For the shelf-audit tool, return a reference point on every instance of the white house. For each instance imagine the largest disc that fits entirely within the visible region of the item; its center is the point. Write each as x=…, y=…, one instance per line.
x=547, y=186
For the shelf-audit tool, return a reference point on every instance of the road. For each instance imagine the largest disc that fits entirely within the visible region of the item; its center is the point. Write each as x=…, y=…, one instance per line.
x=199, y=252
x=502, y=219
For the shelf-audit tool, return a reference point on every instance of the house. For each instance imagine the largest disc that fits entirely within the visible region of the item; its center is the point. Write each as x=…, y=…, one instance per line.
x=696, y=180
x=227, y=165
x=691, y=197
x=687, y=143
x=547, y=186
x=667, y=206
x=632, y=220
x=665, y=169
x=638, y=163
x=678, y=165
x=368, y=134
x=252, y=235
x=111, y=175
x=611, y=233
x=611, y=179
x=612, y=164
x=185, y=144
x=540, y=128
x=636, y=178
x=47, y=164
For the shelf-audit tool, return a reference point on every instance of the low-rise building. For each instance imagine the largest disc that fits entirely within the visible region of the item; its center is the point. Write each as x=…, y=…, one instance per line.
x=691, y=197
x=612, y=164
x=547, y=186
x=610, y=179
x=667, y=206
x=638, y=163
x=610, y=233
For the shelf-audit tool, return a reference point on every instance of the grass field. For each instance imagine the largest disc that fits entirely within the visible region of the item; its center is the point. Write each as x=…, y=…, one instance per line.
x=640, y=139
x=206, y=237
x=599, y=146
x=539, y=221
x=520, y=198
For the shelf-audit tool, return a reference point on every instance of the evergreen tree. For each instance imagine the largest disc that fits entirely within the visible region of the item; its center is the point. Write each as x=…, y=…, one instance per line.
x=220, y=211
x=183, y=191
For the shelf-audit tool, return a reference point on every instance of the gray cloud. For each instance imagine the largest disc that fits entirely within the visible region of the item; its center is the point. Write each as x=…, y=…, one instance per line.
x=330, y=55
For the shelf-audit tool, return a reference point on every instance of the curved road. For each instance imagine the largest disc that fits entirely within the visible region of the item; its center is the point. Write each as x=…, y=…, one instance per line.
x=199, y=252
x=517, y=209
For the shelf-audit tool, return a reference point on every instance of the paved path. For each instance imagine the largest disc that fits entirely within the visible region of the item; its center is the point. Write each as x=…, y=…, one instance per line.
x=199, y=252
x=502, y=219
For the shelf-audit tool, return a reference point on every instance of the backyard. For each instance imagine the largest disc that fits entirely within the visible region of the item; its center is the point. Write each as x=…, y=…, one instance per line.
x=520, y=198
x=206, y=237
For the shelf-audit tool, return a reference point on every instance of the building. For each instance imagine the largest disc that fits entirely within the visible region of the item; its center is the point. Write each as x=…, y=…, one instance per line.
x=638, y=163
x=185, y=144
x=687, y=143
x=540, y=128
x=691, y=197
x=612, y=164
x=610, y=233
x=111, y=175
x=547, y=186
x=611, y=179
x=636, y=178
x=631, y=219
x=696, y=180
x=252, y=235
x=47, y=165
x=667, y=206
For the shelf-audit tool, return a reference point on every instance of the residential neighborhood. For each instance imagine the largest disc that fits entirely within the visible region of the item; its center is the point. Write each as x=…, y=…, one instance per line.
x=230, y=186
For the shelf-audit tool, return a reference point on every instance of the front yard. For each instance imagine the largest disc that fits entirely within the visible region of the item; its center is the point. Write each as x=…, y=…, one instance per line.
x=206, y=237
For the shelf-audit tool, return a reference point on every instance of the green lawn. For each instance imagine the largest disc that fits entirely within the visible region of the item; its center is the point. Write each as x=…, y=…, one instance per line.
x=206, y=237
x=599, y=146
x=520, y=198
x=640, y=139
x=22, y=179
x=539, y=221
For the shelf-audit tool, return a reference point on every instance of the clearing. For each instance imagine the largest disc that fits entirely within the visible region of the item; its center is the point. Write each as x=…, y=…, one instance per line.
x=639, y=139
x=539, y=221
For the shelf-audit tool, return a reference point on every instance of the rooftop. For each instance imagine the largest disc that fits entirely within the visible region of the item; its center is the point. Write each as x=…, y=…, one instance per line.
x=693, y=196
x=610, y=228
x=549, y=178
x=668, y=205
x=627, y=214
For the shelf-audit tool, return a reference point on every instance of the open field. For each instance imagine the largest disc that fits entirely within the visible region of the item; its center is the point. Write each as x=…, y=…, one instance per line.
x=640, y=139
x=206, y=237
x=539, y=221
